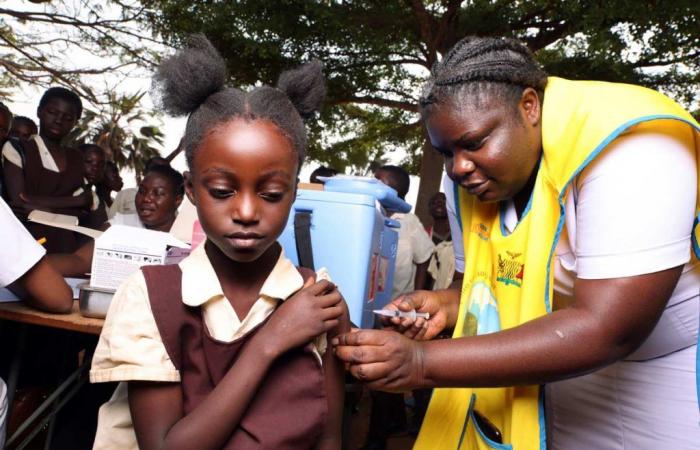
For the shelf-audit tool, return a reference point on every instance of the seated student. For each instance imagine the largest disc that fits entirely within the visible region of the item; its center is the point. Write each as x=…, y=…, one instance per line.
x=47, y=175
x=94, y=159
x=111, y=182
x=159, y=195
x=23, y=128
x=124, y=201
x=25, y=271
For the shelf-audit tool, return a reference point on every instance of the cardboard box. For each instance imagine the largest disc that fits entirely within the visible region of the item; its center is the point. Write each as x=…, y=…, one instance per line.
x=122, y=250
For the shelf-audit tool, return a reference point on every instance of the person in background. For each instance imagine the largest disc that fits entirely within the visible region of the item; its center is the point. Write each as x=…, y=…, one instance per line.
x=388, y=413
x=94, y=158
x=159, y=195
x=48, y=176
x=5, y=122
x=442, y=264
x=124, y=201
x=322, y=171
x=23, y=128
x=26, y=272
x=111, y=182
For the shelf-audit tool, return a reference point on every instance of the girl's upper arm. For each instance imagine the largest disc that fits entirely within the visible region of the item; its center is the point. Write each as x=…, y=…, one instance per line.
x=155, y=408
x=334, y=372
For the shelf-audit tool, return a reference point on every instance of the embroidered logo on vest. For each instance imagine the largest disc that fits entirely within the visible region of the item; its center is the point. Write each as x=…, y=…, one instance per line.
x=510, y=270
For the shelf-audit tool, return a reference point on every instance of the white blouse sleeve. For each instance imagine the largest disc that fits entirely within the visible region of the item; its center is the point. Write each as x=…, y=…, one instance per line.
x=635, y=205
x=130, y=346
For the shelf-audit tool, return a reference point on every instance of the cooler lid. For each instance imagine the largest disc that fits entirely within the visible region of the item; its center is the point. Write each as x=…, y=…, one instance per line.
x=385, y=195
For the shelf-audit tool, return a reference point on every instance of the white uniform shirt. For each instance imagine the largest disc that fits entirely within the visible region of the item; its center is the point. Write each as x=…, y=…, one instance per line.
x=415, y=247
x=19, y=251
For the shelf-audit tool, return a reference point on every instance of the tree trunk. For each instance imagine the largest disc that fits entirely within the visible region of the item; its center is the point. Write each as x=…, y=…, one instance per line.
x=430, y=175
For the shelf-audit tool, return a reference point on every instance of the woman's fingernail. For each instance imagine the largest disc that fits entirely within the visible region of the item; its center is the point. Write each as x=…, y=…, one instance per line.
x=335, y=341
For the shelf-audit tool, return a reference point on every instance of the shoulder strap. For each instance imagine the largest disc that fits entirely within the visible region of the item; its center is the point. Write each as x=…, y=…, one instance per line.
x=302, y=237
x=164, y=284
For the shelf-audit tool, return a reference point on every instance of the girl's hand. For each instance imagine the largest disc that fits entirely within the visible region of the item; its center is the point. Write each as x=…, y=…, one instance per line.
x=383, y=360
x=423, y=302
x=312, y=311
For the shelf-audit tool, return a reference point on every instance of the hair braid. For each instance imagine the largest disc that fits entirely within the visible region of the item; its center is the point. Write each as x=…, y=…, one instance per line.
x=478, y=67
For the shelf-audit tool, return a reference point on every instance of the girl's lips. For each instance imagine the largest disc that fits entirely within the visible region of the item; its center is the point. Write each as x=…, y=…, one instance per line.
x=244, y=243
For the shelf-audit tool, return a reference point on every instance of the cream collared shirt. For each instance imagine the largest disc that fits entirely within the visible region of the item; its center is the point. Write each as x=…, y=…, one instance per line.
x=130, y=346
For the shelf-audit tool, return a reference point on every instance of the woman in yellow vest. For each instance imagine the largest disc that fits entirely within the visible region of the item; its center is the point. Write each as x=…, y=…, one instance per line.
x=576, y=324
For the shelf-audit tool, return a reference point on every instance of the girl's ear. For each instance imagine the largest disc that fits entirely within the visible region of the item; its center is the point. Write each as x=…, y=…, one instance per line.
x=305, y=86
x=189, y=189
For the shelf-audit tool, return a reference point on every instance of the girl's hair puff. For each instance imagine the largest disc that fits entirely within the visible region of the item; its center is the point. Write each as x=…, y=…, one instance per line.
x=192, y=82
x=477, y=68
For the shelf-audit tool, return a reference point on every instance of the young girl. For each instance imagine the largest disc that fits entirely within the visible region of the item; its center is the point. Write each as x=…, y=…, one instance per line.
x=213, y=355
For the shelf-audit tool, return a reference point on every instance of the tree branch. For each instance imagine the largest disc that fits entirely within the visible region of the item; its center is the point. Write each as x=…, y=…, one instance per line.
x=367, y=100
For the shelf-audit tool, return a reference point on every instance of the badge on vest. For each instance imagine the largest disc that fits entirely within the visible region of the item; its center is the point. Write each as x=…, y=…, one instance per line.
x=510, y=270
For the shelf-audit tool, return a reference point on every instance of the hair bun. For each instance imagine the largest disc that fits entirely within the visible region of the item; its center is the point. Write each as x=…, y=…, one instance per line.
x=305, y=86
x=184, y=80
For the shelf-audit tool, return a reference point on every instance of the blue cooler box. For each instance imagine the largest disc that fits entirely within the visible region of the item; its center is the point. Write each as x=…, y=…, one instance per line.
x=352, y=238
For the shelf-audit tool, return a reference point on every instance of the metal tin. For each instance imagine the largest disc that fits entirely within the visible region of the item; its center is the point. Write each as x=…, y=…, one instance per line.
x=94, y=302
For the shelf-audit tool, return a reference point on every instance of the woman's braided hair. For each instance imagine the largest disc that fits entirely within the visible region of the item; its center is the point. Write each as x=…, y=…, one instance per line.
x=192, y=82
x=477, y=68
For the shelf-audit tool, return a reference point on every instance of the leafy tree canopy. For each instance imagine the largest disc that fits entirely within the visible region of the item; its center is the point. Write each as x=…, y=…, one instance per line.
x=377, y=53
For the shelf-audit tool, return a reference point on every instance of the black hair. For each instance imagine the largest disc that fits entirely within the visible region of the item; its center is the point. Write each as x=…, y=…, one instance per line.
x=109, y=164
x=322, y=171
x=63, y=94
x=171, y=174
x=5, y=110
x=399, y=179
x=192, y=82
x=155, y=161
x=89, y=148
x=436, y=195
x=26, y=120
x=477, y=68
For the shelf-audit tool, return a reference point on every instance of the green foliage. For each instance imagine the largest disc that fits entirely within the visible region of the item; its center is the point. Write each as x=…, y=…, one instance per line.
x=377, y=52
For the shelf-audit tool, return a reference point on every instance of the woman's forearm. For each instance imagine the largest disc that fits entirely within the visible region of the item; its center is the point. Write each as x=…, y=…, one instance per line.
x=561, y=345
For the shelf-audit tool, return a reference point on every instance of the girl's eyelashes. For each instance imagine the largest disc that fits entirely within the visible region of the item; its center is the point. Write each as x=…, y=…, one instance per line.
x=221, y=193
x=272, y=196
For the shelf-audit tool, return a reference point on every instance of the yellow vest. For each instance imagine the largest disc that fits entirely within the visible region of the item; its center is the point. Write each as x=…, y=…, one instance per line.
x=508, y=278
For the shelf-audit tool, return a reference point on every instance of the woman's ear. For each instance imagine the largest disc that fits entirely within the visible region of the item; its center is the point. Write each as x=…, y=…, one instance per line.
x=189, y=188
x=529, y=106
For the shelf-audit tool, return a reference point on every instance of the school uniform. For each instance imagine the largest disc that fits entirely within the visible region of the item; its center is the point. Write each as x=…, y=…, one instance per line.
x=142, y=339
x=42, y=177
